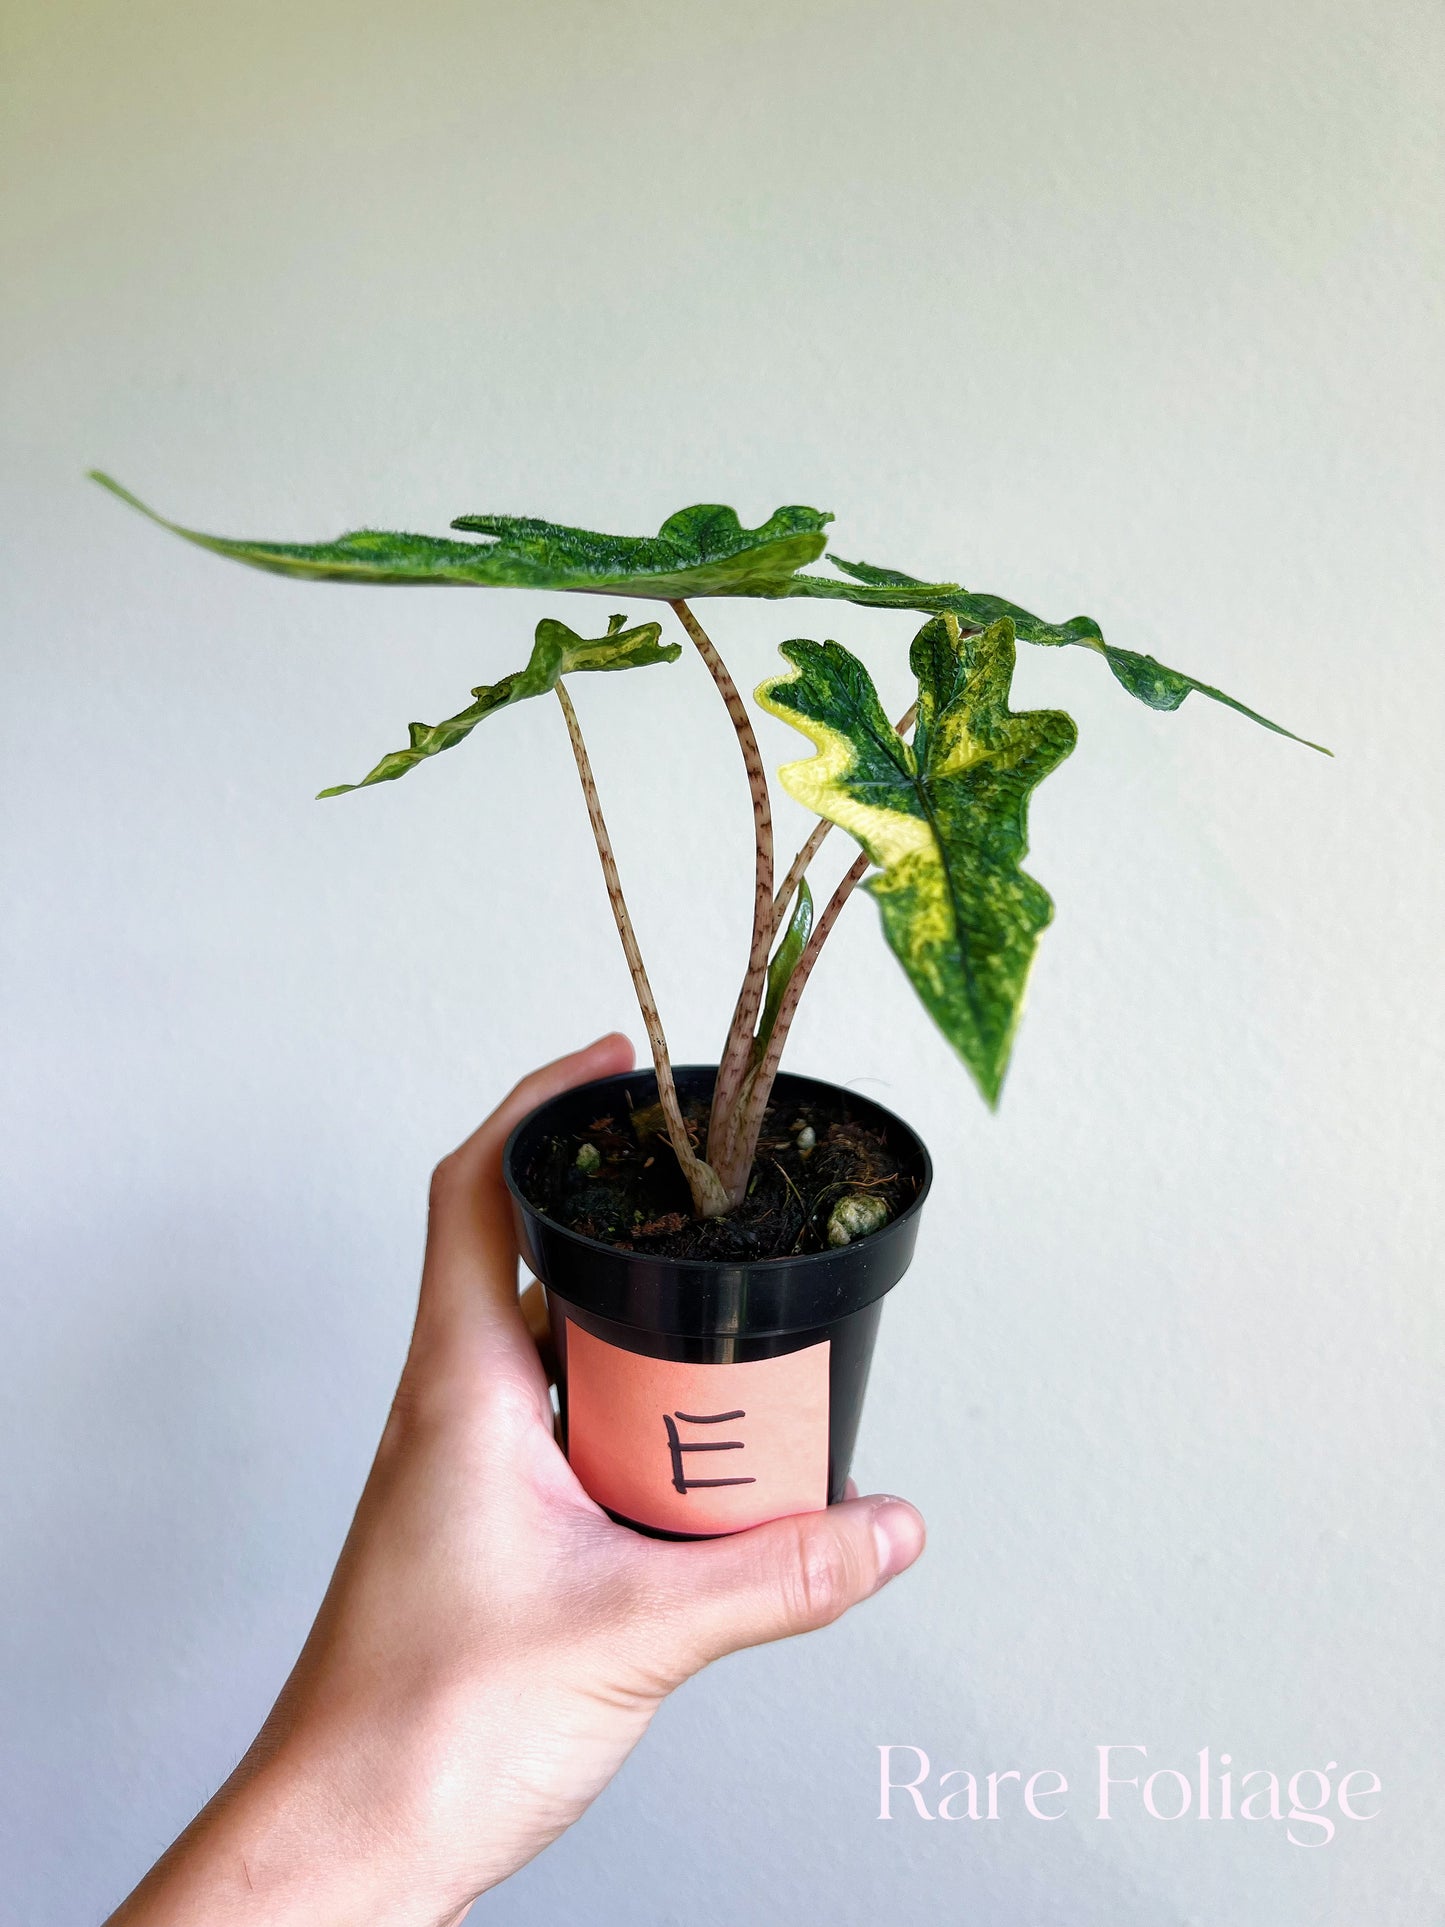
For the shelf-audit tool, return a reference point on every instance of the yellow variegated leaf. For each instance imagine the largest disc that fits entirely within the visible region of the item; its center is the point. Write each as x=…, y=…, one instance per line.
x=945, y=818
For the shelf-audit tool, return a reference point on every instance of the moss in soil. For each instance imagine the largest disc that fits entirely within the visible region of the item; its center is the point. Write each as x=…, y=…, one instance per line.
x=632, y=1195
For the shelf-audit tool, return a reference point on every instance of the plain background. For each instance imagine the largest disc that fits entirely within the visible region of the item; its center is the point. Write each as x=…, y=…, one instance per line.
x=1128, y=308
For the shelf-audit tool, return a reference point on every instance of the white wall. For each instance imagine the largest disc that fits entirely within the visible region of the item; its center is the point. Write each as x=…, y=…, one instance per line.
x=1130, y=308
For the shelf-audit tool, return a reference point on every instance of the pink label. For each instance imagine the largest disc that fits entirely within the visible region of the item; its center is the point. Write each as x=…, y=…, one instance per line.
x=697, y=1448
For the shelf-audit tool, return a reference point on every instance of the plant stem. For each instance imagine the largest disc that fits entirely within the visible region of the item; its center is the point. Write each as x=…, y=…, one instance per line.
x=708, y=1195
x=798, y=869
x=734, y=1159
x=737, y=1049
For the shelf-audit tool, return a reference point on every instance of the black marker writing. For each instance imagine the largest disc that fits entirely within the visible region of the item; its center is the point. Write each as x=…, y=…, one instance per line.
x=677, y=1446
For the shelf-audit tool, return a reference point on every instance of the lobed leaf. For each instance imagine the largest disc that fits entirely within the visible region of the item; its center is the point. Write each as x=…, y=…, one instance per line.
x=945, y=819
x=890, y=589
x=699, y=551
x=1150, y=681
x=702, y=551
x=557, y=651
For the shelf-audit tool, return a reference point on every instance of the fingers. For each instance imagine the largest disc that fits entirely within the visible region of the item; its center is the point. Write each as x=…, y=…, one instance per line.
x=470, y=1273
x=791, y=1576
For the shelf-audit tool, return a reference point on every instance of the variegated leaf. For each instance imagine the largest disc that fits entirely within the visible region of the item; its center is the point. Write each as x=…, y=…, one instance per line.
x=1152, y=682
x=945, y=818
x=697, y=552
x=702, y=551
x=558, y=651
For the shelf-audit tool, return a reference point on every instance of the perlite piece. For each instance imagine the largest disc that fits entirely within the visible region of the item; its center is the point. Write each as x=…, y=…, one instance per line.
x=588, y=1157
x=854, y=1217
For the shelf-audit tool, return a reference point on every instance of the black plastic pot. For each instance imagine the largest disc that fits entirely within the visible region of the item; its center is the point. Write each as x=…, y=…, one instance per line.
x=701, y=1397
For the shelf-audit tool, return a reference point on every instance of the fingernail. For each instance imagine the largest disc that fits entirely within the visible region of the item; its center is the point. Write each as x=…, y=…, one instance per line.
x=898, y=1535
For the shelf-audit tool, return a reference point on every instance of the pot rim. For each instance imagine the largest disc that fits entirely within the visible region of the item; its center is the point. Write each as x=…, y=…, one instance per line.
x=651, y=1259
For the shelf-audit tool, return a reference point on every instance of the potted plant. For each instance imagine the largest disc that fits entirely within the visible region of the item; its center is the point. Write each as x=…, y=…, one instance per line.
x=716, y=1241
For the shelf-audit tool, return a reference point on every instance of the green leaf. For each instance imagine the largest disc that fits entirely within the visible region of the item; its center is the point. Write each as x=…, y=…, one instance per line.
x=945, y=819
x=699, y=551
x=558, y=651
x=1152, y=682
x=891, y=589
x=784, y=963
x=1163, y=688
x=702, y=551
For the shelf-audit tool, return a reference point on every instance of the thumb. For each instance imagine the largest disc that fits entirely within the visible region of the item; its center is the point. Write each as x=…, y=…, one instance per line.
x=790, y=1576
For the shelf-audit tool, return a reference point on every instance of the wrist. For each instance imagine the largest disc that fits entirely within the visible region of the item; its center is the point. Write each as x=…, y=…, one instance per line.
x=292, y=1841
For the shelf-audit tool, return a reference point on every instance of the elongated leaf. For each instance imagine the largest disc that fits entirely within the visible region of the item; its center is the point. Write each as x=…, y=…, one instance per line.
x=1163, y=688
x=558, y=651
x=698, y=551
x=703, y=551
x=945, y=819
x=1152, y=682
x=784, y=963
x=891, y=589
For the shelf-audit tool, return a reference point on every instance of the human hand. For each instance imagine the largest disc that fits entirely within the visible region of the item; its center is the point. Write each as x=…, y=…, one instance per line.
x=492, y=1646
